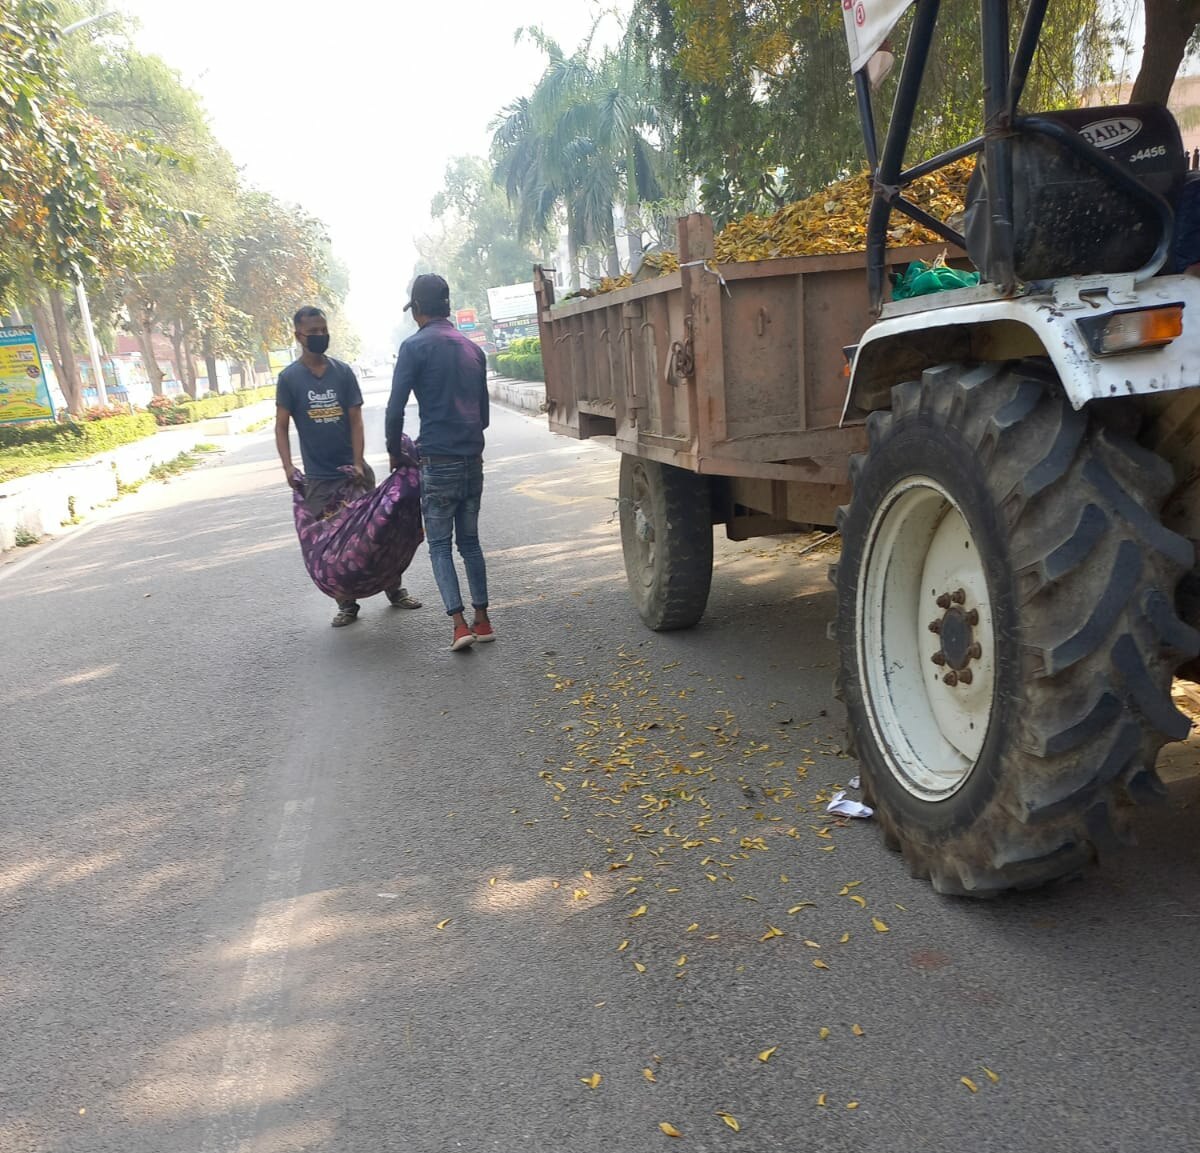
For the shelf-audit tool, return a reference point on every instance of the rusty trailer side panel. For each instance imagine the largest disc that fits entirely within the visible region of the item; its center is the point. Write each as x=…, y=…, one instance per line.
x=734, y=370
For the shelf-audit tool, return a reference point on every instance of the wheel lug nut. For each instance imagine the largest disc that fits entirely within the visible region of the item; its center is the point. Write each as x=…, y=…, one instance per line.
x=951, y=678
x=959, y=596
x=938, y=658
x=975, y=652
x=935, y=626
x=966, y=676
x=973, y=617
x=943, y=602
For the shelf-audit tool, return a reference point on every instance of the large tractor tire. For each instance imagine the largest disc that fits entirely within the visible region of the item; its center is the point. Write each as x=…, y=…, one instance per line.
x=1006, y=626
x=667, y=540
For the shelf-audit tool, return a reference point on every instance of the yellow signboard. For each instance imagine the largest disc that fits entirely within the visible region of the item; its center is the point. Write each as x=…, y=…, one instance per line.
x=24, y=394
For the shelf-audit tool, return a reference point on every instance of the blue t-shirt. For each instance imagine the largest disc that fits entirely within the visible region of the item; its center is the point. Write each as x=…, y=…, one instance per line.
x=448, y=375
x=320, y=406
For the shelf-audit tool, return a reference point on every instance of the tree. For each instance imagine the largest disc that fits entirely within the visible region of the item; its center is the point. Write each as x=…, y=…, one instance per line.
x=760, y=98
x=1170, y=29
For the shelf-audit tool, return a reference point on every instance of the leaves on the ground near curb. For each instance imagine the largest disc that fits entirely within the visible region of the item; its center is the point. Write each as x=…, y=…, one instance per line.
x=729, y=1120
x=669, y=1129
x=640, y=911
x=593, y=1081
x=767, y=1054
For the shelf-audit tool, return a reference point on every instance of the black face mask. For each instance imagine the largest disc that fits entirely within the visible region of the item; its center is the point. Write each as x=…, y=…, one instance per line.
x=317, y=343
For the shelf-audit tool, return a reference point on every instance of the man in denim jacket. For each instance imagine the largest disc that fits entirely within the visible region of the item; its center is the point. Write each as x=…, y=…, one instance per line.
x=448, y=375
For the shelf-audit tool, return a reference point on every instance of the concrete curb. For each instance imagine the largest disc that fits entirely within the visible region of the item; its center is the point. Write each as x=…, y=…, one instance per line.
x=42, y=503
x=527, y=395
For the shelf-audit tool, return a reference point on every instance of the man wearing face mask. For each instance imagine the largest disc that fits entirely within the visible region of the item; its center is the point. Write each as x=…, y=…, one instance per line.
x=322, y=396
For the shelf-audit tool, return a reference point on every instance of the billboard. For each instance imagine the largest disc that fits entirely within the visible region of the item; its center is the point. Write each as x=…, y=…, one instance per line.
x=512, y=302
x=24, y=393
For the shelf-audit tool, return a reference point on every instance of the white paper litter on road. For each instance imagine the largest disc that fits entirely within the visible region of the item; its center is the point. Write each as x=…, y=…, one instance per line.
x=844, y=807
x=855, y=783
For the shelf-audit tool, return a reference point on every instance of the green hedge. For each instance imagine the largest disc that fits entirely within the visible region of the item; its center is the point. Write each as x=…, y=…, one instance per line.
x=522, y=360
x=226, y=402
x=35, y=448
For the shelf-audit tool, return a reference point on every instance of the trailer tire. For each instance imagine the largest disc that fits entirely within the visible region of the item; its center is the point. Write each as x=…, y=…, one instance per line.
x=1006, y=626
x=667, y=541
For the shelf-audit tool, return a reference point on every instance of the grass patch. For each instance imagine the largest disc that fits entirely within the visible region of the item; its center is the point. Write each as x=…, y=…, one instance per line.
x=206, y=447
x=259, y=424
x=170, y=468
x=25, y=538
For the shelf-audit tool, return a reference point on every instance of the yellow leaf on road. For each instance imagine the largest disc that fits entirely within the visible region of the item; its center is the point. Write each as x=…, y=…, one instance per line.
x=859, y=901
x=993, y=1077
x=491, y=880
x=803, y=905
x=640, y=911
x=588, y=875
x=857, y=1030
x=766, y=1054
x=843, y=938
x=729, y=1120
x=824, y=1033
x=851, y=1104
x=692, y=927
x=649, y=1075
x=819, y=964
x=812, y=944
x=880, y=927
x=580, y=894
x=622, y=946
x=682, y=960
x=639, y=966
x=771, y=932
x=969, y=1084
x=821, y=1100
x=669, y=1129
x=443, y=924
x=592, y=1081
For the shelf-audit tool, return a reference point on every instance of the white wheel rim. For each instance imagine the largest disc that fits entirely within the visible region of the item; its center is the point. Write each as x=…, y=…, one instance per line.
x=928, y=695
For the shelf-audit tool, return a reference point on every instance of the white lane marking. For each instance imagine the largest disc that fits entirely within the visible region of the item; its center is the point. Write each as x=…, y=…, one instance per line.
x=244, y=1070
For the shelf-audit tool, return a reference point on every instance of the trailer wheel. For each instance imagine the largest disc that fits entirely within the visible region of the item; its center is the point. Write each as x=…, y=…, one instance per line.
x=1006, y=626
x=667, y=540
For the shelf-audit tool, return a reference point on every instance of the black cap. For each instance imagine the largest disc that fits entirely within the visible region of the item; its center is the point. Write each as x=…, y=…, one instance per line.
x=430, y=295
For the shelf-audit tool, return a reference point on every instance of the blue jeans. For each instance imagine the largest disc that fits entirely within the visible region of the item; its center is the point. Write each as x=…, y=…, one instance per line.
x=451, y=488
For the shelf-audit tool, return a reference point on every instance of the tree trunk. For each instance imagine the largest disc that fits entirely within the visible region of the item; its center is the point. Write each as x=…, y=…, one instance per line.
x=210, y=363
x=44, y=327
x=610, y=246
x=143, y=328
x=71, y=382
x=189, y=369
x=1169, y=26
x=177, y=347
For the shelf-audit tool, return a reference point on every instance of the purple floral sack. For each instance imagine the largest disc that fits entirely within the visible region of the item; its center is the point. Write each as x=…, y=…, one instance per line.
x=364, y=546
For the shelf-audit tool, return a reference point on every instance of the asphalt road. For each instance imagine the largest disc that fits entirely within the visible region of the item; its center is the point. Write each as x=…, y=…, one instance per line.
x=229, y=835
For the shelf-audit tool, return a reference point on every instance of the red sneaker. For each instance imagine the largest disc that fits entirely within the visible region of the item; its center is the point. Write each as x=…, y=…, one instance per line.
x=483, y=631
x=463, y=638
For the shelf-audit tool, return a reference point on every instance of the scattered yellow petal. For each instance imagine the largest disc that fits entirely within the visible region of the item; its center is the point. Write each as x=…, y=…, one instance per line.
x=859, y=901
x=843, y=938
x=969, y=1084
x=640, y=911
x=771, y=932
x=554, y=884
x=669, y=1129
x=682, y=960
x=729, y=1120
x=880, y=927
x=491, y=880
x=592, y=1081
x=648, y=1074
x=857, y=1030
x=580, y=894
x=803, y=905
x=851, y=1104
x=622, y=946
x=692, y=927
x=847, y=887
x=819, y=964
x=993, y=1077
x=784, y=878
x=588, y=875
x=443, y=924
x=766, y=1054
x=824, y=1033
x=821, y=1100
x=812, y=944
x=639, y=966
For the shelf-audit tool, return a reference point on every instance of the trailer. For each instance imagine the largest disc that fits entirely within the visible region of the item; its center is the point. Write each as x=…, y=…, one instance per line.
x=1013, y=468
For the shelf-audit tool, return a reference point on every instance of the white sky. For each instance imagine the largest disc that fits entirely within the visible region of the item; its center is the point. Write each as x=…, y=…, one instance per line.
x=353, y=108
